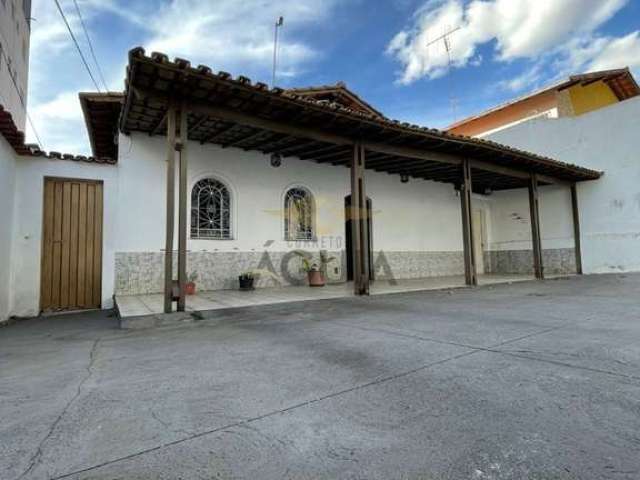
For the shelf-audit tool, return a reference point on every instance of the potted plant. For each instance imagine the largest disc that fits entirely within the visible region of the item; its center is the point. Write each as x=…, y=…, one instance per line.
x=246, y=281
x=190, y=286
x=315, y=273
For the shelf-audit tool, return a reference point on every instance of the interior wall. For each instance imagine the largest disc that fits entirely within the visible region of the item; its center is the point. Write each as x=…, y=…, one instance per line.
x=27, y=231
x=605, y=140
x=7, y=181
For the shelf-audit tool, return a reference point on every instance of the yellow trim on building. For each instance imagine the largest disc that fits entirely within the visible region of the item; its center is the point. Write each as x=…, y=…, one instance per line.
x=591, y=97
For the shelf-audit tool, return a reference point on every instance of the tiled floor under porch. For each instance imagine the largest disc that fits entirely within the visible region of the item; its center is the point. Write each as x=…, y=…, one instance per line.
x=140, y=305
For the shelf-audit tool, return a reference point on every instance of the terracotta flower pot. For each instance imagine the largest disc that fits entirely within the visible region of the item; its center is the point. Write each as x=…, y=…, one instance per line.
x=190, y=288
x=316, y=279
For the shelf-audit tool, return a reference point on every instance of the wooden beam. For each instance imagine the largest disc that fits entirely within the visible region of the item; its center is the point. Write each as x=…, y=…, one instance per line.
x=359, y=224
x=311, y=133
x=244, y=139
x=214, y=136
x=171, y=174
x=466, y=204
x=161, y=122
x=576, y=228
x=182, y=208
x=534, y=209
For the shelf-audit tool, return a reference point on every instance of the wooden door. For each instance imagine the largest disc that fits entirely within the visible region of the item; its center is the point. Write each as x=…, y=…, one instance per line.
x=71, y=270
x=479, y=235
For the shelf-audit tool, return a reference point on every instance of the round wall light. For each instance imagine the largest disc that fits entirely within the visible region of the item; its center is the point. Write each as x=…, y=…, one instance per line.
x=276, y=160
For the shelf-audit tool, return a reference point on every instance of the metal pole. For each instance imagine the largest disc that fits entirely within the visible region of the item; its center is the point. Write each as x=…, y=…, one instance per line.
x=279, y=23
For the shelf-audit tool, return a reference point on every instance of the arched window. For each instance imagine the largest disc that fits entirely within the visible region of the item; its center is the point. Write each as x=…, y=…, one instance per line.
x=210, y=210
x=298, y=214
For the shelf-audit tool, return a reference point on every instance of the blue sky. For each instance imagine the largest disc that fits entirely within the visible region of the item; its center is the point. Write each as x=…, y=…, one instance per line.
x=501, y=49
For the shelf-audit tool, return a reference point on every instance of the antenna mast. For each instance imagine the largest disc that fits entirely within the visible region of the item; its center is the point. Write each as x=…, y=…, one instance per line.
x=278, y=24
x=447, y=46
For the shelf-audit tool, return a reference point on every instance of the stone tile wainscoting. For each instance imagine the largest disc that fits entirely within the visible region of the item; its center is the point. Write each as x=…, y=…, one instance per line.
x=143, y=272
x=555, y=260
x=406, y=265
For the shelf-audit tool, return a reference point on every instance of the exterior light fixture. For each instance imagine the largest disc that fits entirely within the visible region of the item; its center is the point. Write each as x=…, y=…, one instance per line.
x=404, y=178
x=488, y=191
x=276, y=160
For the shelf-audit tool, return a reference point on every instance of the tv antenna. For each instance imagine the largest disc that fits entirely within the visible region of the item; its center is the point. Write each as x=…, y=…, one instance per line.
x=278, y=25
x=445, y=37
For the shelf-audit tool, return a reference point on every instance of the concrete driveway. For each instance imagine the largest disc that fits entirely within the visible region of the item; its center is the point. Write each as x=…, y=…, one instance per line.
x=535, y=380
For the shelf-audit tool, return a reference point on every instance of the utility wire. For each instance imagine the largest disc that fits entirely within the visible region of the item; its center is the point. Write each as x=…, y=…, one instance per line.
x=93, y=53
x=22, y=101
x=73, y=37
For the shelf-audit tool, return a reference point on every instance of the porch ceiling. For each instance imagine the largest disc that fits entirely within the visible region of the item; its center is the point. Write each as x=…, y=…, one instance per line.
x=236, y=113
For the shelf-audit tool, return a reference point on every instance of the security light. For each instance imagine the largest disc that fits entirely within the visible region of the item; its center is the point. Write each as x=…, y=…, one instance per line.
x=404, y=178
x=276, y=160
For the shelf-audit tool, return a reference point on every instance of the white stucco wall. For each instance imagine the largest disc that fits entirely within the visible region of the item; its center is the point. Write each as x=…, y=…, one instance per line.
x=607, y=140
x=27, y=230
x=511, y=219
x=418, y=216
x=7, y=181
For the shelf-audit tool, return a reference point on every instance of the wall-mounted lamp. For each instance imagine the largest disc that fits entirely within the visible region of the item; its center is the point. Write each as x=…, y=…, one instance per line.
x=404, y=178
x=488, y=191
x=276, y=160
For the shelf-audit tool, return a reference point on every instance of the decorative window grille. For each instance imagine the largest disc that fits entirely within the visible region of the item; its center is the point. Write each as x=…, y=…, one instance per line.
x=210, y=210
x=298, y=214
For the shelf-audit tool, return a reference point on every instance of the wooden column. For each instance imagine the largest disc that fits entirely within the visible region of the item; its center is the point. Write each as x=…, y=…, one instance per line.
x=538, y=266
x=576, y=228
x=182, y=208
x=470, y=271
x=359, y=223
x=171, y=173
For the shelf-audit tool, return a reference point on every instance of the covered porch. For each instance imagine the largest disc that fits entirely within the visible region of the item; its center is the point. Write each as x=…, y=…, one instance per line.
x=191, y=105
x=130, y=307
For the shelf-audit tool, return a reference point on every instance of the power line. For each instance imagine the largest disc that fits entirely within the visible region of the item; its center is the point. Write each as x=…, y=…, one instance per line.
x=73, y=37
x=23, y=103
x=93, y=53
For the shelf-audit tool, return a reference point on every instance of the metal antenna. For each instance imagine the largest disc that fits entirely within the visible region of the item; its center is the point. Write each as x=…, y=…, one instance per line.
x=447, y=46
x=278, y=24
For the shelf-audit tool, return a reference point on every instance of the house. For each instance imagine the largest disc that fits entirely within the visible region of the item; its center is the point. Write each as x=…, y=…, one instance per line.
x=195, y=171
x=572, y=97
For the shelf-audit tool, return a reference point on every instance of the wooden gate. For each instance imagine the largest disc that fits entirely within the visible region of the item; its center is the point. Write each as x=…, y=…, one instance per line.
x=71, y=270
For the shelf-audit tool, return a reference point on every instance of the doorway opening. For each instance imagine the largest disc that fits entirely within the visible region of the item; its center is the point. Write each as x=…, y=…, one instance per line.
x=349, y=240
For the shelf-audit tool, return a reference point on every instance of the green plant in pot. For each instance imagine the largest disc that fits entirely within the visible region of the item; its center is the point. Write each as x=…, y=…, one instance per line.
x=316, y=272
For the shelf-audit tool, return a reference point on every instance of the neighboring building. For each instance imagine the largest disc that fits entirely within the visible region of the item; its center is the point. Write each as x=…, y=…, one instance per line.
x=15, y=30
x=577, y=95
x=265, y=177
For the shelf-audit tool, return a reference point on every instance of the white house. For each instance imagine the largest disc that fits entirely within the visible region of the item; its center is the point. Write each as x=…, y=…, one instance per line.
x=256, y=174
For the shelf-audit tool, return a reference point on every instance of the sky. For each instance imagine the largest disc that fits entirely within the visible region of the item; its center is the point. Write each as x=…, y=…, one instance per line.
x=387, y=51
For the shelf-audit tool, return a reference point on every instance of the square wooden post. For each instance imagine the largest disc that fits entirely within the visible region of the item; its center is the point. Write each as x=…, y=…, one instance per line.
x=466, y=189
x=576, y=228
x=359, y=224
x=182, y=208
x=170, y=217
x=538, y=265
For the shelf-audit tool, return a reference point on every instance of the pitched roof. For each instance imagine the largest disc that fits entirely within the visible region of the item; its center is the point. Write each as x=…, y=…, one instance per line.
x=620, y=81
x=15, y=138
x=238, y=113
x=101, y=112
x=338, y=93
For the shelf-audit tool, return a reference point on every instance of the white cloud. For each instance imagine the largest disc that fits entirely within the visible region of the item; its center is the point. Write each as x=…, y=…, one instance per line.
x=519, y=28
x=238, y=36
x=231, y=35
x=60, y=122
x=617, y=53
